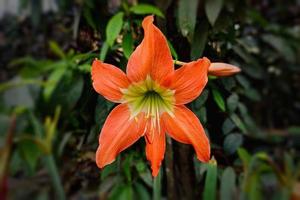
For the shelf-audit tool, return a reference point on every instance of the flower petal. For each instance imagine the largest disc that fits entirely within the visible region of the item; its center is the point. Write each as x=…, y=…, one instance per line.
x=118, y=133
x=188, y=81
x=222, y=69
x=185, y=127
x=152, y=56
x=108, y=80
x=155, y=151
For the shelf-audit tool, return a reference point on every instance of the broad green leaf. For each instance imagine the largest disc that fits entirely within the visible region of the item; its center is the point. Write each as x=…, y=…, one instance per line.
x=210, y=186
x=199, y=40
x=127, y=45
x=116, y=192
x=229, y=83
x=114, y=27
x=203, y=114
x=253, y=94
x=126, y=193
x=30, y=152
x=232, y=102
x=187, y=14
x=280, y=44
x=228, y=187
x=252, y=66
x=243, y=81
x=103, y=51
x=238, y=122
x=75, y=92
x=232, y=142
x=213, y=9
x=85, y=68
x=52, y=82
x=141, y=192
x=55, y=48
x=143, y=9
x=126, y=166
x=218, y=99
x=228, y=126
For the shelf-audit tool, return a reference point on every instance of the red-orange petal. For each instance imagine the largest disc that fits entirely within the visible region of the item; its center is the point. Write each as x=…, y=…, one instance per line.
x=188, y=81
x=152, y=57
x=155, y=151
x=222, y=69
x=185, y=127
x=108, y=80
x=118, y=133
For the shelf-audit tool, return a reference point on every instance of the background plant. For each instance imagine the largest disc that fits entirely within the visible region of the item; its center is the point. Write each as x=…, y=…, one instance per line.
x=51, y=117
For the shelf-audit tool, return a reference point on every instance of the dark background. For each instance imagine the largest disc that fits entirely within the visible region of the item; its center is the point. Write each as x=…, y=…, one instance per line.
x=50, y=116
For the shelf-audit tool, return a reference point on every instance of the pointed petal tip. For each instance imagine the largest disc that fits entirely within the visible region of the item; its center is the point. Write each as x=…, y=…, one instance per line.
x=100, y=161
x=149, y=18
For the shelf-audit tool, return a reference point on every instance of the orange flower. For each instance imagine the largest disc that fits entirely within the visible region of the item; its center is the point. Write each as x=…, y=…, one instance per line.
x=152, y=96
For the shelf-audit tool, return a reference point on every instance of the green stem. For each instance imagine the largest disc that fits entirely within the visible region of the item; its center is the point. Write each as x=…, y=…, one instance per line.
x=177, y=62
x=157, y=187
x=50, y=163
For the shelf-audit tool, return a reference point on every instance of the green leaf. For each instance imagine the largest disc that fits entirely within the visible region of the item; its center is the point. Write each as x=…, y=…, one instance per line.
x=187, y=14
x=232, y=142
x=228, y=126
x=280, y=44
x=85, y=68
x=199, y=40
x=243, y=81
x=75, y=92
x=104, y=51
x=143, y=9
x=141, y=192
x=228, y=187
x=253, y=94
x=114, y=27
x=127, y=45
x=218, y=99
x=30, y=152
x=232, y=102
x=52, y=81
x=213, y=9
x=55, y=48
x=238, y=122
x=210, y=186
x=244, y=156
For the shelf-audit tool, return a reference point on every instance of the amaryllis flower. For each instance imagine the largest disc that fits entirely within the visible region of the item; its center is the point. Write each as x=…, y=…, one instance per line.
x=152, y=96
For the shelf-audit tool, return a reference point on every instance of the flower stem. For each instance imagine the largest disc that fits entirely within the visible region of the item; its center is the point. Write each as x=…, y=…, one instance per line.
x=52, y=169
x=157, y=187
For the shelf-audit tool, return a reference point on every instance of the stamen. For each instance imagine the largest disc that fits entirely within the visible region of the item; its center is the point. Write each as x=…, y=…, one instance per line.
x=152, y=99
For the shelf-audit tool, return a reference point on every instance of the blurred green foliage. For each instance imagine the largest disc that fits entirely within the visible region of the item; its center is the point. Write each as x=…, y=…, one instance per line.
x=51, y=117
